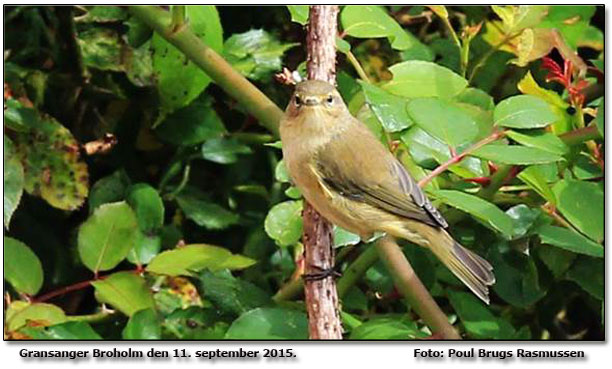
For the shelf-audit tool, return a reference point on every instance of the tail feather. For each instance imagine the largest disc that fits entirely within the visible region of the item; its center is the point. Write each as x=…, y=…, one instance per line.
x=474, y=271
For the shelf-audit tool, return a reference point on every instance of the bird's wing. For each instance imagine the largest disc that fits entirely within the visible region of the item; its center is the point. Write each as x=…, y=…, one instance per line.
x=363, y=170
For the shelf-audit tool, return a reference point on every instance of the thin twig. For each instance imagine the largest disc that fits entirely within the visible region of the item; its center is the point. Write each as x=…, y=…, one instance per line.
x=457, y=158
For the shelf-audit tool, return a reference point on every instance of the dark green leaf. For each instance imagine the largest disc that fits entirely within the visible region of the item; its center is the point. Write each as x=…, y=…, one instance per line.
x=195, y=323
x=223, y=151
x=517, y=279
x=569, y=240
x=206, y=214
x=145, y=249
x=13, y=181
x=125, y=291
x=143, y=325
x=485, y=211
x=269, y=324
x=71, y=331
x=111, y=188
x=556, y=259
x=147, y=205
x=535, y=179
x=179, y=80
x=524, y=111
x=478, y=321
x=589, y=274
x=582, y=203
x=256, y=53
x=22, y=268
x=191, y=125
x=523, y=218
x=107, y=236
x=230, y=294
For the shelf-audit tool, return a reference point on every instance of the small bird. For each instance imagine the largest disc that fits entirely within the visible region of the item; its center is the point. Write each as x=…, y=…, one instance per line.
x=351, y=179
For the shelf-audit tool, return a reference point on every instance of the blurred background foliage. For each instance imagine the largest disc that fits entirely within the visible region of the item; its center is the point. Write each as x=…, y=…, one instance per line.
x=142, y=202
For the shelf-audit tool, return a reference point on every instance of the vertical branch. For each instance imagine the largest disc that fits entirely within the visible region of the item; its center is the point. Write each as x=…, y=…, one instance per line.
x=321, y=295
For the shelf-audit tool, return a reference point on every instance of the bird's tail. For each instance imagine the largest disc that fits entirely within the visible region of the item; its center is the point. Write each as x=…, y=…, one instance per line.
x=474, y=271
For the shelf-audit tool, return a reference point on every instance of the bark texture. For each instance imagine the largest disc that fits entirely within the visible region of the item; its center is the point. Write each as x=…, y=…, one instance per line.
x=321, y=295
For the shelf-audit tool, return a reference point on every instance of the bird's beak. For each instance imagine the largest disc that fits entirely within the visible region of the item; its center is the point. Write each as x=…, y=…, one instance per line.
x=311, y=100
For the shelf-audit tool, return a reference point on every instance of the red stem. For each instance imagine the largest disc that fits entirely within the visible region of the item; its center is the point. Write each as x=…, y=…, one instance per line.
x=457, y=158
x=64, y=290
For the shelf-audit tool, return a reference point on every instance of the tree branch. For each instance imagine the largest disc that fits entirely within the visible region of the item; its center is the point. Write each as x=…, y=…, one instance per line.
x=413, y=290
x=321, y=295
x=232, y=82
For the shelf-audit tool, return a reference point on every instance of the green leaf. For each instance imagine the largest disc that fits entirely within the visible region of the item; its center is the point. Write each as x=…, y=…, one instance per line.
x=13, y=180
x=569, y=240
x=194, y=323
x=517, y=279
x=299, y=13
x=371, y=21
x=125, y=291
x=147, y=205
x=514, y=154
x=388, y=108
x=387, y=329
x=523, y=218
x=424, y=79
x=269, y=324
x=343, y=46
x=69, y=331
x=20, y=313
x=255, y=53
x=102, y=14
x=540, y=140
x=284, y=222
x=111, y=188
x=556, y=259
x=428, y=151
x=476, y=97
x=188, y=259
x=22, y=268
x=534, y=178
x=281, y=174
x=191, y=125
x=524, y=111
x=230, y=294
x=589, y=274
x=145, y=249
x=51, y=162
x=204, y=213
x=600, y=119
x=582, y=203
x=442, y=120
x=479, y=208
x=107, y=236
x=223, y=151
x=179, y=80
x=143, y=325
x=478, y=321
x=342, y=237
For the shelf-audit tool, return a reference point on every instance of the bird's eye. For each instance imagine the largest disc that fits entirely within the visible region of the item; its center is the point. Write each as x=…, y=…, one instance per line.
x=330, y=99
x=298, y=101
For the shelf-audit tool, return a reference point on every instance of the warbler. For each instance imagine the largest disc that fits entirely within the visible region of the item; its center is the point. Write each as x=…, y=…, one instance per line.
x=351, y=179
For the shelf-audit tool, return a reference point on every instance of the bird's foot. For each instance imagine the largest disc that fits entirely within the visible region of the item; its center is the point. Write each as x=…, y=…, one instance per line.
x=321, y=274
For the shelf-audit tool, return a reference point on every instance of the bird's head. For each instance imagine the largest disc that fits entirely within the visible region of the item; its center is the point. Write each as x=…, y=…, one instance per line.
x=315, y=98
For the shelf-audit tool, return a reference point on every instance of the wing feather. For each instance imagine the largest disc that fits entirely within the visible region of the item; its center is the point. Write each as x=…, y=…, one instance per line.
x=363, y=170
